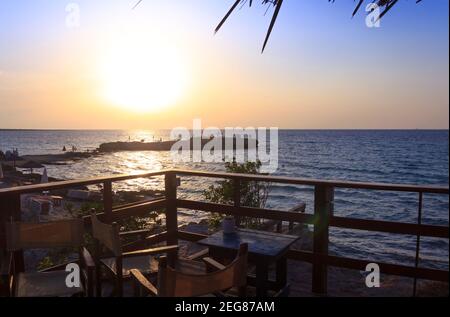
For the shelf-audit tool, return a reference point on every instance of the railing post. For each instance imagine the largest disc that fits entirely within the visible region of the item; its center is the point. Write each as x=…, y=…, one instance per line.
x=4, y=291
x=171, y=208
x=10, y=209
x=107, y=201
x=237, y=198
x=323, y=210
x=4, y=215
x=417, y=260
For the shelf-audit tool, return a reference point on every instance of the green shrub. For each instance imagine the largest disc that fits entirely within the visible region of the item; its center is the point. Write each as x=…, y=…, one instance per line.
x=252, y=193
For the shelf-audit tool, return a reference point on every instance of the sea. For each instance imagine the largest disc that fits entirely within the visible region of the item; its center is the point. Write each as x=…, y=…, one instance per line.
x=414, y=157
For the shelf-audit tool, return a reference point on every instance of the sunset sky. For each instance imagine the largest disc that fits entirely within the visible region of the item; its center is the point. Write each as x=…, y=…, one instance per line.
x=160, y=66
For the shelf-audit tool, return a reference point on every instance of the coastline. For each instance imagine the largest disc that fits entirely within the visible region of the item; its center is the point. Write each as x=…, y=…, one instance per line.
x=49, y=159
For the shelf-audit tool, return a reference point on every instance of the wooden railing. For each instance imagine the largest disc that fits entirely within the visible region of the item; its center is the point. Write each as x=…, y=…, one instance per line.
x=322, y=219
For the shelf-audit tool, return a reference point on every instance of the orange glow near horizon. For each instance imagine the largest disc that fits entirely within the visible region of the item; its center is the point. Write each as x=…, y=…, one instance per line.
x=160, y=67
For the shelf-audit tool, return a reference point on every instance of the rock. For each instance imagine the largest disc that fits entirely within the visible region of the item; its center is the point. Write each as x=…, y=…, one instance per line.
x=78, y=194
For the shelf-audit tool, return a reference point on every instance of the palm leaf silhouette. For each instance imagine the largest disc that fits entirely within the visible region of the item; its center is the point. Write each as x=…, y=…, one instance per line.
x=387, y=4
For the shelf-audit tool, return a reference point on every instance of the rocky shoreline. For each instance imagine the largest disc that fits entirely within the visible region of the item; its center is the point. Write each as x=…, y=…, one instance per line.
x=49, y=159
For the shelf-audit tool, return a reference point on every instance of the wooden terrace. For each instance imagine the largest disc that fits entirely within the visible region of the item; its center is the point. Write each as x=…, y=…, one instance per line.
x=322, y=220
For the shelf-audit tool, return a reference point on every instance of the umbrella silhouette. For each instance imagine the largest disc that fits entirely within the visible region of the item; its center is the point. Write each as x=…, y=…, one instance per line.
x=44, y=177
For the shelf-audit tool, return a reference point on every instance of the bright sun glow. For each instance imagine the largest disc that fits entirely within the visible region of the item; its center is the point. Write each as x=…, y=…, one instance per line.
x=141, y=78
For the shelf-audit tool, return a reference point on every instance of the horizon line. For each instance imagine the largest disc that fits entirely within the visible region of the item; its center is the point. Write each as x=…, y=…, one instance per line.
x=281, y=129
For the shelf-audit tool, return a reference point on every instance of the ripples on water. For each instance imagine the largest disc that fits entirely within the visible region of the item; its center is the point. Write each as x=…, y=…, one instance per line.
x=406, y=157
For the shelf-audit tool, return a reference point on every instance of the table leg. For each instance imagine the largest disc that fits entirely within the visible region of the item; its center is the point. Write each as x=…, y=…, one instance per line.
x=281, y=273
x=262, y=278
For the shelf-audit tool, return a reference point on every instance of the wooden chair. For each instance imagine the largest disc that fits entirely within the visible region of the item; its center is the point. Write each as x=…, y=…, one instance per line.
x=65, y=234
x=117, y=263
x=176, y=281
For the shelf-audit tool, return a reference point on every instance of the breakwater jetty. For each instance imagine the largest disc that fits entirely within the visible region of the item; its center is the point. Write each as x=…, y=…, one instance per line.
x=244, y=143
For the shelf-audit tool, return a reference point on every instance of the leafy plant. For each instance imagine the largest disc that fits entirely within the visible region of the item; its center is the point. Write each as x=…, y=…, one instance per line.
x=55, y=257
x=87, y=208
x=252, y=193
x=45, y=263
x=70, y=207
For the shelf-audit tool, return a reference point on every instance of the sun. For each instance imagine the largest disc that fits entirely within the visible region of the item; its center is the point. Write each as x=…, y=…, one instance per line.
x=141, y=78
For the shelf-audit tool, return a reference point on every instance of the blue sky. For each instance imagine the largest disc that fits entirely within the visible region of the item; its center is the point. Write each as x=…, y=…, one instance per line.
x=395, y=76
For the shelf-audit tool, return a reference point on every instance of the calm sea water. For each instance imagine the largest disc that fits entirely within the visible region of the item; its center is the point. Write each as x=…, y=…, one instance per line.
x=406, y=157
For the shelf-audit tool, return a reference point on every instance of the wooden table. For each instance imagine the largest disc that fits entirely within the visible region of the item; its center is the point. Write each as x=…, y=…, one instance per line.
x=265, y=248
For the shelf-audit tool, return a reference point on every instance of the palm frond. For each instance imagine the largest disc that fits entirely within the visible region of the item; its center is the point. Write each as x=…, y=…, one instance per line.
x=386, y=4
